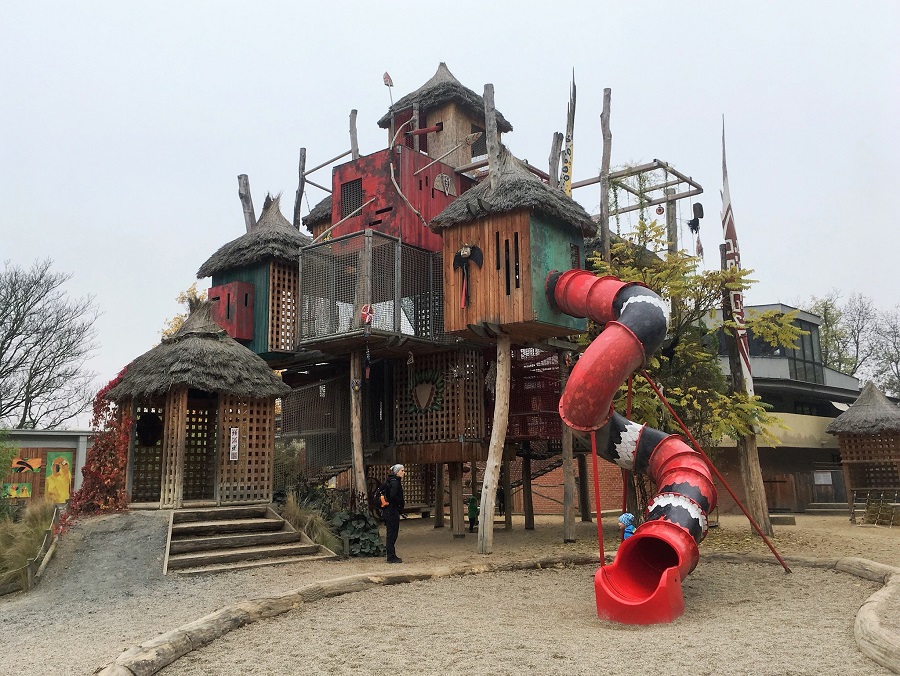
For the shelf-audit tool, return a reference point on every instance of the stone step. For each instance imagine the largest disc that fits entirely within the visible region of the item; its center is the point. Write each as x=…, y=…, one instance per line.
x=257, y=563
x=830, y=511
x=223, y=527
x=185, y=545
x=233, y=555
x=219, y=513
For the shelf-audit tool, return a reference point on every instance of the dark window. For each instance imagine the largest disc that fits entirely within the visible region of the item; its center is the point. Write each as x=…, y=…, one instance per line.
x=806, y=360
x=351, y=197
x=479, y=148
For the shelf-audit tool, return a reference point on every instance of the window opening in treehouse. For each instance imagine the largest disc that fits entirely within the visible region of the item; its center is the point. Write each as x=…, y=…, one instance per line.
x=351, y=197
x=228, y=306
x=506, y=249
x=575, y=256
x=497, y=247
x=246, y=300
x=479, y=148
x=516, y=253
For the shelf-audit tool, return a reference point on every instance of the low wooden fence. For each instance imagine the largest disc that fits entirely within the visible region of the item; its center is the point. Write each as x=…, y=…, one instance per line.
x=31, y=572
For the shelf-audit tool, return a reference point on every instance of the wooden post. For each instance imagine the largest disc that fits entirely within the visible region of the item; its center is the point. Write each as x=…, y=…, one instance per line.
x=415, y=126
x=301, y=186
x=495, y=450
x=584, y=493
x=527, y=496
x=569, y=153
x=748, y=453
x=671, y=222
x=457, y=524
x=360, y=498
x=493, y=150
x=604, y=175
x=507, y=497
x=555, y=150
x=354, y=142
x=851, y=497
x=246, y=201
x=568, y=465
x=439, y=495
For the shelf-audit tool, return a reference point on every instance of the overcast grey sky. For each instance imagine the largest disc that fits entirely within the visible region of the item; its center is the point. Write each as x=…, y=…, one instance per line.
x=125, y=125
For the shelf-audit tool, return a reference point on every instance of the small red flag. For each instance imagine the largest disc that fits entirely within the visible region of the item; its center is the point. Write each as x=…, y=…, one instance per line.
x=387, y=80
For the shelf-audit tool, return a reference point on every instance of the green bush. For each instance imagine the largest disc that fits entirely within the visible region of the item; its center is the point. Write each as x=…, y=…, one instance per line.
x=361, y=530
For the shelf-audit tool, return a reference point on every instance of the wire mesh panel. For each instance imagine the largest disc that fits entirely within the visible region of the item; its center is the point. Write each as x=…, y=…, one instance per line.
x=248, y=478
x=533, y=396
x=319, y=414
x=401, y=284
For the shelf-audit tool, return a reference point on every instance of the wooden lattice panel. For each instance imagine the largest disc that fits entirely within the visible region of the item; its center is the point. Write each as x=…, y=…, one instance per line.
x=173, y=447
x=283, y=294
x=249, y=478
x=200, y=449
x=147, y=460
x=874, y=475
x=438, y=398
x=870, y=447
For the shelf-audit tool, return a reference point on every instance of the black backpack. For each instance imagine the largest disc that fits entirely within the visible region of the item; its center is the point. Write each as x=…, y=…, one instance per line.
x=380, y=496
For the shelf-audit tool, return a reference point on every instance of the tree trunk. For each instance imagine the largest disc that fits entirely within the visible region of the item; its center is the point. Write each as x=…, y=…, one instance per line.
x=298, y=200
x=604, y=175
x=568, y=466
x=527, y=496
x=360, y=498
x=439, y=495
x=495, y=451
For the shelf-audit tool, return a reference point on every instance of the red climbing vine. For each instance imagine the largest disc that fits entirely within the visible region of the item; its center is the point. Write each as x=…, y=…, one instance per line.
x=103, y=487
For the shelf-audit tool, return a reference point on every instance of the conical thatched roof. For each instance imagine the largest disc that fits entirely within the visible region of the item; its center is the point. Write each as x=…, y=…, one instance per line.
x=273, y=237
x=516, y=188
x=871, y=413
x=201, y=356
x=321, y=213
x=443, y=87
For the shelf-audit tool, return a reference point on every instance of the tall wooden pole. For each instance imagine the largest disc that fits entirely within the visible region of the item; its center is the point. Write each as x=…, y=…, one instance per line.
x=492, y=140
x=604, y=175
x=360, y=497
x=584, y=491
x=527, y=496
x=456, y=500
x=507, y=497
x=495, y=450
x=354, y=142
x=301, y=186
x=569, y=152
x=555, y=150
x=439, y=495
x=246, y=201
x=748, y=453
x=568, y=465
x=671, y=222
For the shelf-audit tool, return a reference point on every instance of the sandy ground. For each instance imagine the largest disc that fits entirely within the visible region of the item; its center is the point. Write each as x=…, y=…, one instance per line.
x=104, y=592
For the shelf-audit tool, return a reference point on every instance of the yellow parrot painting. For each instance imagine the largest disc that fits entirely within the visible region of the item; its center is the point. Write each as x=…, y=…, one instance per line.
x=59, y=479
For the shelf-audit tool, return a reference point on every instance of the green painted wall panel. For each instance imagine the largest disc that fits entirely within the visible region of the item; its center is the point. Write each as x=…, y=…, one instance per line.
x=258, y=275
x=551, y=244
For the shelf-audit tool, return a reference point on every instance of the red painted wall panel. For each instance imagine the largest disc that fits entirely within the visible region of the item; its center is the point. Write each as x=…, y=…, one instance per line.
x=234, y=311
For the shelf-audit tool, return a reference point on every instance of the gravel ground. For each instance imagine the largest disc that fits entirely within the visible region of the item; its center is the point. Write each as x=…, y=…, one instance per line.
x=104, y=592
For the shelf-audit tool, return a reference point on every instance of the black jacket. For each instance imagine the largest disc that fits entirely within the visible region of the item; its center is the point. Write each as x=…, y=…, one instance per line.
x=394, y=492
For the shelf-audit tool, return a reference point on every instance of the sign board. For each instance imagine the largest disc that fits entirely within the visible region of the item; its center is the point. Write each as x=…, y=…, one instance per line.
x=235, y=443
x=822, y=478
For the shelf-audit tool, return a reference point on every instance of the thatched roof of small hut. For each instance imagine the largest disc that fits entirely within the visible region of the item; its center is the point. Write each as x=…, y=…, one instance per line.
x=871, y=413
x=443, y=87
x=200, y=355
x=517, y=188
x=273, y=237
x=321, y=213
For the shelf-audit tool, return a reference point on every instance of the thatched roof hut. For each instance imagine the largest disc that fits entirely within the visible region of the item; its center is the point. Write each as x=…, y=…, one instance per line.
x=443, y=88
x=871, y=413
x=517, y=188
x=202, y=356
x=321, y=213
x=272, y=238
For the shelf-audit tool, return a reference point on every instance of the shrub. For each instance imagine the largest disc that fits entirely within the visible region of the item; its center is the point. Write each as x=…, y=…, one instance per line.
x=361, y=530
x=20, y=541
x=310, y=520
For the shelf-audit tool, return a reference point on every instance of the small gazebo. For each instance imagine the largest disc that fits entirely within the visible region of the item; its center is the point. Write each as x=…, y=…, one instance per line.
x=869, y=439
x=204, y=409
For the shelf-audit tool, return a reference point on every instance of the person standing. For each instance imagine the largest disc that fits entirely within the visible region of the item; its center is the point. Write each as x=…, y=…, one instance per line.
x=391, y=513
x=474, y=509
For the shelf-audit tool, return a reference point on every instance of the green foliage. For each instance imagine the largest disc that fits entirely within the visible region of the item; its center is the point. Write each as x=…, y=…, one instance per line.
x=362, y=532
x=21, y=540
x=687, y=366
x=310, y=520
x=7, y=453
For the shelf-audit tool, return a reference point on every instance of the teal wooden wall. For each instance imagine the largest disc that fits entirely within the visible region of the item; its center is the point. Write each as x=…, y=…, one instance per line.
x=551, y=243
x=258, y=275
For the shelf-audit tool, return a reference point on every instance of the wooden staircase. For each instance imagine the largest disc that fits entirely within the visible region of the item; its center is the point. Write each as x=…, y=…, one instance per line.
x=216, y=539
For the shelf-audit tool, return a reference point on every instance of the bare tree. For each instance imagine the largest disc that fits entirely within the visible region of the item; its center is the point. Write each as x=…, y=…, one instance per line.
x=848, y=332
x=887, y=357
x=45, y=339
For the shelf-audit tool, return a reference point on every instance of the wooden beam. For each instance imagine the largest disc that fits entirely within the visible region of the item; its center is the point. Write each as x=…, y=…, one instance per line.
x=604, y=175
x=246, y=201
x=415, y=125
x=584, y=493
x=327, y=162
x=568, y=467
x=498, y=437
x=457, y=524
x=298, y=220
x=439, y=495
x=493, y=146
x=360, y=497
x=555, y=150
x=507, y=497
x=354, y=141
x=527, y=495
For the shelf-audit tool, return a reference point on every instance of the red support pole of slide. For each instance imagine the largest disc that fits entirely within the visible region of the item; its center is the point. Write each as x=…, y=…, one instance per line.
x=715, y=471
x=597, y=497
